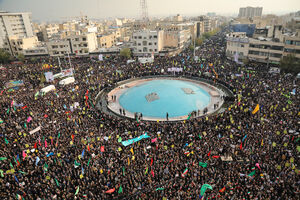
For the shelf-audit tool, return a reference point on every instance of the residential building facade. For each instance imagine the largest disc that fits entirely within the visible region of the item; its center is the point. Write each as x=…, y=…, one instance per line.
x=250, y=12
x=146, y=42
x=14, y=24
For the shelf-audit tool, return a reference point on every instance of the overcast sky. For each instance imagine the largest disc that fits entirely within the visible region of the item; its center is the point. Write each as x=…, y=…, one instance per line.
x=46, y=10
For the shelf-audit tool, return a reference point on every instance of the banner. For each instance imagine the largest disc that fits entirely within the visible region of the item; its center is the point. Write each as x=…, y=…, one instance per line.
x=131, y=141
x=49, y=76
x=46, y=66
x=100, y=57
x=12, y=84
x=67, y=72
x=35, y=130
x=175, y=69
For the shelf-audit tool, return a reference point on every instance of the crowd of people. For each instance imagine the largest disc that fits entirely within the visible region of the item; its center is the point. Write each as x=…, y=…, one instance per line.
x=60, y=146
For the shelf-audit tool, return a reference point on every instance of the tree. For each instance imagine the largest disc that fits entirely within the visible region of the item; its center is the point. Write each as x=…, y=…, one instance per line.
x=126, y=52
x=21, y=57
x=290, y=64
x=199, y=41
x=191, y=47
x=246, y=61
x=5, y=57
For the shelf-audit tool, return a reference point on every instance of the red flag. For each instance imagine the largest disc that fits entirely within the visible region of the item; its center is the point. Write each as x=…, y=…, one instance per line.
x=152, y=172
x=110, y=191
x=222, y=190
x=151, y=161
x=73, y=137
x=87, y=92
x=24, y=107
x=88, y=147
x=45, y=115
x=35, y=145
x=216, y=156
x=208, y=153
x=241, y=146
x=102, y=149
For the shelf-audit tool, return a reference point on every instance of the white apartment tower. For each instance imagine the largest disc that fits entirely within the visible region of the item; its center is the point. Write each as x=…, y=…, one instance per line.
x=14, y=24
x=250, y=12
x=146, y=42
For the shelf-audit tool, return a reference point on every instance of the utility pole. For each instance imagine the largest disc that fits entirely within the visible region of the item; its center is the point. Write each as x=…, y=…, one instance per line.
x=268, y=57
x=194, y=45
x=59, y=63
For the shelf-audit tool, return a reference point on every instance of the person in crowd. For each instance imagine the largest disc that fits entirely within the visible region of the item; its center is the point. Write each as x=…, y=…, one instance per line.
x=61, y=146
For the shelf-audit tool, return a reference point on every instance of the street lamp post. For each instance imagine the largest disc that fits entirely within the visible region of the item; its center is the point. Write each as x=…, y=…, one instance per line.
x=268, y=57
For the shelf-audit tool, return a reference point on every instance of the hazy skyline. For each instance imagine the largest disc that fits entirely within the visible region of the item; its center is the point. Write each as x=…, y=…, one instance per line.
x=49, y=10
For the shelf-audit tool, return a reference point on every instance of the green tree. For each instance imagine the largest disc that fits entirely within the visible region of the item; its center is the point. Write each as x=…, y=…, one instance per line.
x=245, y=61
x=5, y=57
x=199, y=41
x=290, y=64
x=21, y=57
x=191, y=47
x=126, y=52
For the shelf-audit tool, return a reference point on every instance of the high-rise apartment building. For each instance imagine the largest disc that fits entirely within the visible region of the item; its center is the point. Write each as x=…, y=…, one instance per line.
x=14, y=24
x=250, y=12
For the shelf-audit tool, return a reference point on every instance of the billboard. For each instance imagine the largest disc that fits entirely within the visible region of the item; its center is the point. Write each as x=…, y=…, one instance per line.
x=12, y=84
x=67, y=72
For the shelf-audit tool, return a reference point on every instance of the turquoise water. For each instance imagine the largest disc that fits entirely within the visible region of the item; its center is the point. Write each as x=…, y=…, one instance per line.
x=172, y=98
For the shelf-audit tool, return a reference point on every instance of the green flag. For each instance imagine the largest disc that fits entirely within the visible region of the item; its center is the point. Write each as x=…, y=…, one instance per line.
x=89, y=162
x=11, y=165
x=120, y=189
x=120, y=139
x=46, y=166
x=58, y=135
x=1, y=172
x=77, y=190
x=3, y=158
x=6, y=141
x=159, y=189
x=146, y=170
x=202, y=164
x=7, y=111
x=57, y=183
x=76, y=163
x=123, y=169
x=204, y=188
x=252, y=173
x=189, y=116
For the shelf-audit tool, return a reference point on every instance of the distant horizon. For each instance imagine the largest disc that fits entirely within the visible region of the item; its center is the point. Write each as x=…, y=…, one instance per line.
x=49, y=11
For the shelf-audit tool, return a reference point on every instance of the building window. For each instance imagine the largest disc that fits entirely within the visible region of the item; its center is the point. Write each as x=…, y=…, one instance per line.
x=140, y=37
x=84, y=39
x=155, y=50
x=145, y=49
x=150, y=43
x=144, y=43
x=139, y=44
x=289, y=42
x=76, y=39
x=155, y=36
x=150, y=37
